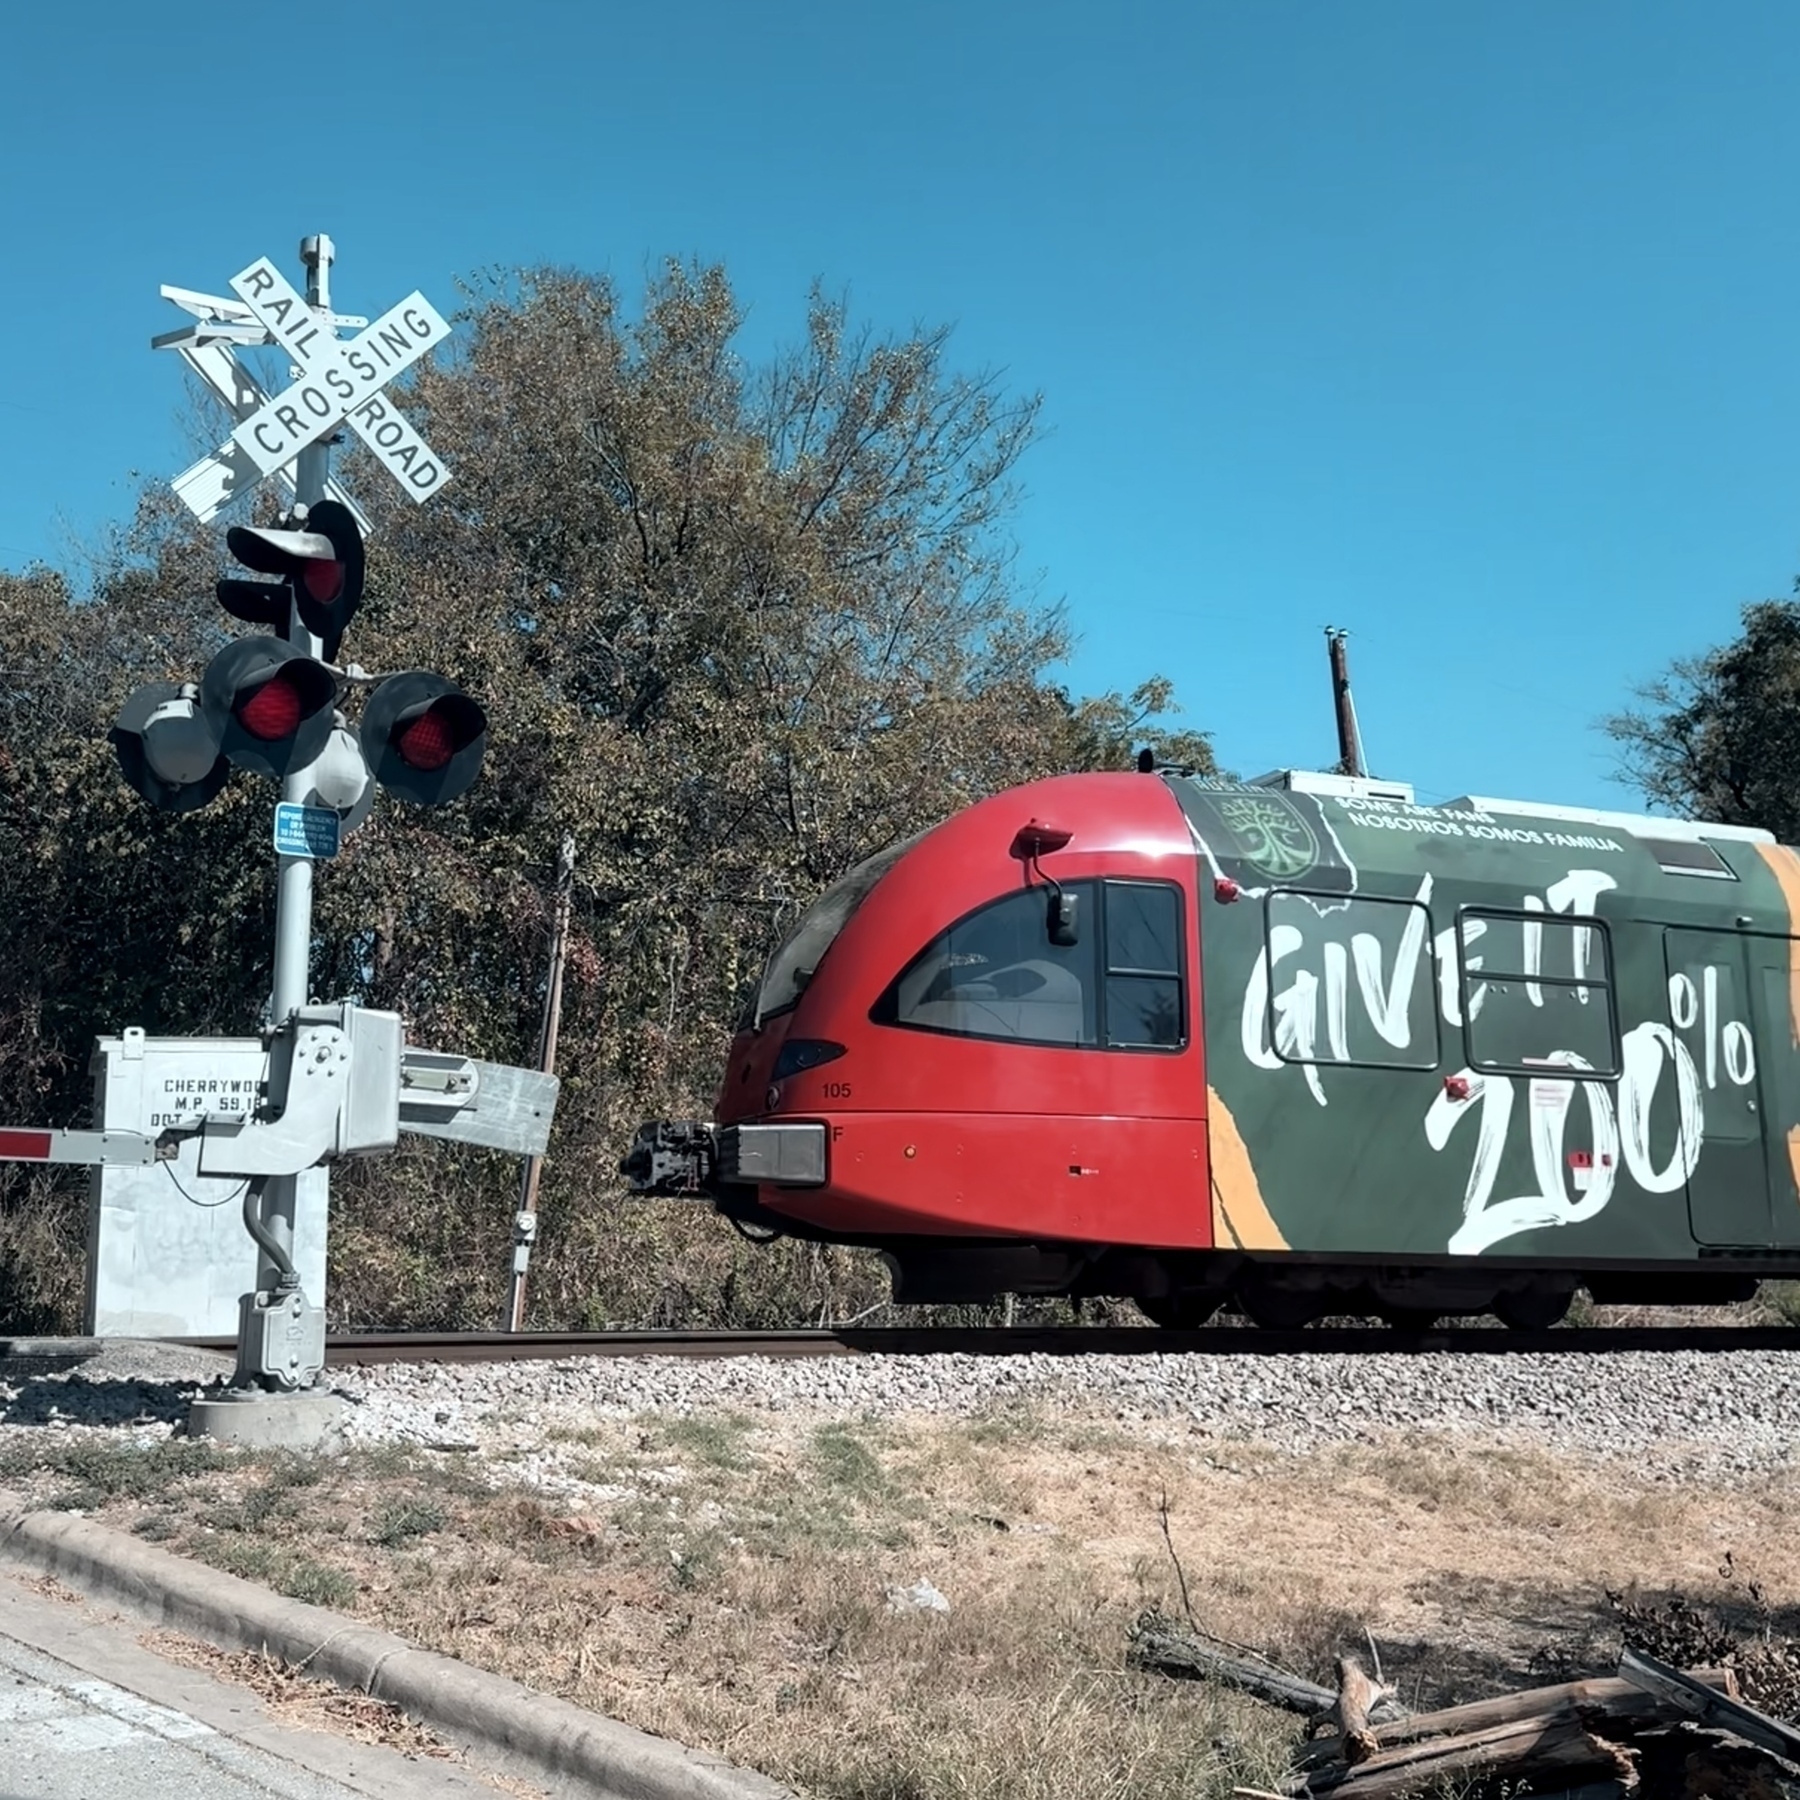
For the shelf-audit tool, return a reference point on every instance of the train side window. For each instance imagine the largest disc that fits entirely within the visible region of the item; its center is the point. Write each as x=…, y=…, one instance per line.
x=994, y=974
x=1537, y=990
x=1144, y=1009
x=799, y=954
x=1353, y=979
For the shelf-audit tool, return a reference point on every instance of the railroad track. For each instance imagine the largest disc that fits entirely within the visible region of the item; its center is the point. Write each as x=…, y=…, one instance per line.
x=366, y=1348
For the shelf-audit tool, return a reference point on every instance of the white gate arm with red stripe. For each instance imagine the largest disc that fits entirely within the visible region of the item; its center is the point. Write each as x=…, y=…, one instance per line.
x=95, y=1149
x=338, y=1081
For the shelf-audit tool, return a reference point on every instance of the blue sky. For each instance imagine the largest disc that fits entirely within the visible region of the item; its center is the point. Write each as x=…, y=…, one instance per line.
x=1469, y=327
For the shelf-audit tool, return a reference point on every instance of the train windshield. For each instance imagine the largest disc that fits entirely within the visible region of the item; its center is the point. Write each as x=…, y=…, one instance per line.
x=803, y=949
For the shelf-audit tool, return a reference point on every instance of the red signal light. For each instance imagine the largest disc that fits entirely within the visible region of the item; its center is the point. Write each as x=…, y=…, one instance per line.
x=423, y=737
x=269, y=708
x=428, y=742
x=323, y=580
x=272, y=712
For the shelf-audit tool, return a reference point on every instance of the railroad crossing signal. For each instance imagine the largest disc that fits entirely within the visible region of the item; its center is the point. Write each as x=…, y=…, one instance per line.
x=270, y=703
x=321, y=570
x=265, y=705
x=335, y=383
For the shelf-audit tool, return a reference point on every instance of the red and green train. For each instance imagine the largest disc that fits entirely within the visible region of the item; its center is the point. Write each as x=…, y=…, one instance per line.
x=1301, y=1045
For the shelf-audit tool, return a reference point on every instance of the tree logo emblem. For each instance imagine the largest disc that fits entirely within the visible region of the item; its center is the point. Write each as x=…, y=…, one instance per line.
x=1271, y=834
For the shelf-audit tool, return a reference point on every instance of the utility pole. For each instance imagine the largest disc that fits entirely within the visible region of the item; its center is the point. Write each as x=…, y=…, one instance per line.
x=1350, y=752
x=525, y=1220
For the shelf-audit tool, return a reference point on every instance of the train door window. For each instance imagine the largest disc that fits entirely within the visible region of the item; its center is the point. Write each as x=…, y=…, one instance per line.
x=995, y=974
x=1537, y=990
x=1144, y=1009
x=1352, y=980
x=1713, y=1012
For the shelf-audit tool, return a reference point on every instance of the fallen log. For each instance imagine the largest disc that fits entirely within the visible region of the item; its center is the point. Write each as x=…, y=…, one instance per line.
x=1603, y=1702
x=1686, y=1694
x=1531, y=1745
x=1161, y=1646
x=1357, y=1696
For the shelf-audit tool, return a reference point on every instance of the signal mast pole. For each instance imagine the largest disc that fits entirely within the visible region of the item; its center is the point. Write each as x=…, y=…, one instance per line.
x=293, y=881
x=1350, y=752
x=269, y=1215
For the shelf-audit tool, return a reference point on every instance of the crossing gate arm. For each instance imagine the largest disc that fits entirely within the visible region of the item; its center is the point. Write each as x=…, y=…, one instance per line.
x=492, y=1104
x=92, y=1149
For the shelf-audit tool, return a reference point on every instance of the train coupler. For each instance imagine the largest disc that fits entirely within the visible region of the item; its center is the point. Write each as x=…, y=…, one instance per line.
x=678, y=1158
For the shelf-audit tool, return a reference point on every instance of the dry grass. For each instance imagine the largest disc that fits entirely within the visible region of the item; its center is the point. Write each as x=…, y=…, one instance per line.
x=726, y=1582
x=293, y=1698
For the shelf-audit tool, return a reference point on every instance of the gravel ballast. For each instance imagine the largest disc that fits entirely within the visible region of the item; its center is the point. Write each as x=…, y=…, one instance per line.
x=1669, y=1413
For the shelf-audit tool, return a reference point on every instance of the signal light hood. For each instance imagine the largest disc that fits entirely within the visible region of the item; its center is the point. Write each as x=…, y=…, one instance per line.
x=174, y=786
x=270, y=550
x=240, y=672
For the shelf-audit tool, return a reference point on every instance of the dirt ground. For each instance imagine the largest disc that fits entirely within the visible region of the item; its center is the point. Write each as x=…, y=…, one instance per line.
x=753, y=1585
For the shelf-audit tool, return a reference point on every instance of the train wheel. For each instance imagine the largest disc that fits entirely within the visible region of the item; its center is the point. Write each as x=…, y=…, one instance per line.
x=1181, y=1312
x=1533, y=1308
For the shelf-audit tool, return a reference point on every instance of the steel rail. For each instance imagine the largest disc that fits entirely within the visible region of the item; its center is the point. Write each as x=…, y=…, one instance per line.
x=370, y=1348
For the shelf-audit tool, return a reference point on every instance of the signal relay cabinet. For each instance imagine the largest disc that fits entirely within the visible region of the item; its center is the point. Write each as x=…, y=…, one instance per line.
x=167, y=1252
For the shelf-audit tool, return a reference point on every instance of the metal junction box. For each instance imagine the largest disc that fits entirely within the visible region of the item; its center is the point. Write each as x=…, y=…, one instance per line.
x=168, y=1255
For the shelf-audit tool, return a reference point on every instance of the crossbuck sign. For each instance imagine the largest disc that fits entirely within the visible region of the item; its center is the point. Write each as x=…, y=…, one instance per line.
x=336, y=382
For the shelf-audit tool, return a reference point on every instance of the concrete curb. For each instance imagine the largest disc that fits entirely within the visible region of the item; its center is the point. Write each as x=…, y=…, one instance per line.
x=574, y=1752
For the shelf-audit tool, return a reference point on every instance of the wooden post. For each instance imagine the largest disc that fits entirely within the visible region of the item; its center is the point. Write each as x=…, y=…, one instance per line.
x=1350, y=751
x=1357, y=1695
x=1157, y=1644
x=525, y=1220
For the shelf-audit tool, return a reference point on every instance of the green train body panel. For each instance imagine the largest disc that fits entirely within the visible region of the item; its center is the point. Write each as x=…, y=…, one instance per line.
x=1448, y=1032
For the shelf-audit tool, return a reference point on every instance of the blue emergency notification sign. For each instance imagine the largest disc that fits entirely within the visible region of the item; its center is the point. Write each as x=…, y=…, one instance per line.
x=310, y=831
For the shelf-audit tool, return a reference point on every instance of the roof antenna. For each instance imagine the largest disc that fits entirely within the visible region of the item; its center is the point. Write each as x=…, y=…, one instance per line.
x=1350, y=752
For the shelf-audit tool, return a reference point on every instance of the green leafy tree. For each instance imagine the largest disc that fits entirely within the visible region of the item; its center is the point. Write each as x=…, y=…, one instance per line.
x=735, y=627
x=1718, y=736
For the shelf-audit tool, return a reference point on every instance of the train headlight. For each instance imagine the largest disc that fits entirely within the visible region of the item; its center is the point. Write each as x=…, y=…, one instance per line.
x=800, y=1054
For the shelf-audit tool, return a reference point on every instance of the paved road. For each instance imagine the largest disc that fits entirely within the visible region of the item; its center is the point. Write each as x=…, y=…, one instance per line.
x=87, y=1713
